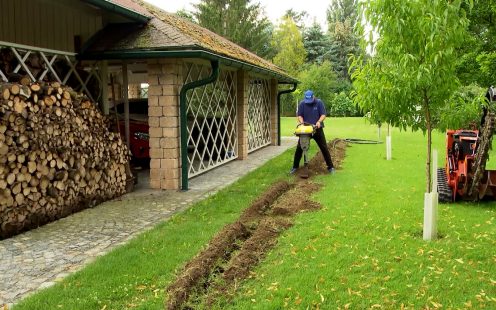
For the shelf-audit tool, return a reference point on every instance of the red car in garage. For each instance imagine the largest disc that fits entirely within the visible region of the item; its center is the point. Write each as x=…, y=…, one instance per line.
x=138, y=129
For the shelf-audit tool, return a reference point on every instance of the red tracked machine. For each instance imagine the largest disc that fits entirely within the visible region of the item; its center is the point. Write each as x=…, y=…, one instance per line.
x=467, y=151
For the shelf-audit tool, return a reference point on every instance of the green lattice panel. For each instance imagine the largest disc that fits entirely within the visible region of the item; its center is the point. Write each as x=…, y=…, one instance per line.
x=258, y=114
x=211, y=110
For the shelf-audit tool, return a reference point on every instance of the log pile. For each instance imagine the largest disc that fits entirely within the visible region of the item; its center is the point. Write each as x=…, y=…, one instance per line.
x=57, y=155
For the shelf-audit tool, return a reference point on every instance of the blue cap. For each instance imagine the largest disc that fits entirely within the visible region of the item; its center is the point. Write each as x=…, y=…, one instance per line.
x=308, y=96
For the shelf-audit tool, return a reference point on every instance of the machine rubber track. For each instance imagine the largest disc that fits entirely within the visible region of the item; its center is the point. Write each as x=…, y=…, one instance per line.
x=444, y=191
x=479, y=163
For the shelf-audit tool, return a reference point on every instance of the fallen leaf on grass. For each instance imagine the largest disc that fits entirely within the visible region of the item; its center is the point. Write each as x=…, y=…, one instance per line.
x=141, y=287
x=298, y=300
x=459, y=260
x=436, y=304
x=156, y=292
x=352, y=292
x=273, y=286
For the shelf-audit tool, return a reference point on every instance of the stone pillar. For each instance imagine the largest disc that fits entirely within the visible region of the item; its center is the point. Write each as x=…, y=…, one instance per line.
x=165, y=80
x=274, y=120
x=242, y=113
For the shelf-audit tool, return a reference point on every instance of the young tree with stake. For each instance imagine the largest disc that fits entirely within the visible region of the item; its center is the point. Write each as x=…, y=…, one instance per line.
x=411, y=73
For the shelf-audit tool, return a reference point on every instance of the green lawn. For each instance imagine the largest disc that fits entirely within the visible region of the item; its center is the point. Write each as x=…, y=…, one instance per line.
x=364, y=249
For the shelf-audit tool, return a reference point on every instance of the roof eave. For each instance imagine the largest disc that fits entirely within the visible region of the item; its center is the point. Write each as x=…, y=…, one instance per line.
x=194, y=52
x=120, y=10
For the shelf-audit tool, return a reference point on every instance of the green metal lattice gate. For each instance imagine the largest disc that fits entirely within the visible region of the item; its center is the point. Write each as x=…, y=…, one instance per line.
x=212, y=124
x=258, y=114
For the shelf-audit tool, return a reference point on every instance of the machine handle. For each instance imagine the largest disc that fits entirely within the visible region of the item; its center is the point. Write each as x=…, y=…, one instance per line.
x=306, y=124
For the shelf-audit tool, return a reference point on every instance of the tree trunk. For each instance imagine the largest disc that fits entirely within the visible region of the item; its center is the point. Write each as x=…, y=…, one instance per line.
x=429, y=141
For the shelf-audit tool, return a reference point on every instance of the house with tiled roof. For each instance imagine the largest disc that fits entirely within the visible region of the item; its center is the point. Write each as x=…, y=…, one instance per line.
x=206, y=100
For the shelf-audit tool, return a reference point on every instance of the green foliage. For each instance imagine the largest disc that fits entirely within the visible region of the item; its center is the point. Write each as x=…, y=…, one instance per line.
x=464, y=109
x=468, y=69
x=412, y=74
x=342, y=19
x=342, y=85
x=317, y=44
x=342, y=105
x=487, y=64
x=240, y=21
x=297, y=17
x=288, y=42
x=482, y=27
x=186, y=15
x=341, y=11
x=413, y=67
x=321, y=79
x=480, y=44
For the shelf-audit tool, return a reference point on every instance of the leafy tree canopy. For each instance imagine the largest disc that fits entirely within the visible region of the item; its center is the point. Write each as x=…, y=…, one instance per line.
x=412, y=74
x=480, y=48
x=297, y=17
x=321, y=79
x=288, y=43
x=317, y=44
x=342, y=11
x=342, y=18
x=237, y=20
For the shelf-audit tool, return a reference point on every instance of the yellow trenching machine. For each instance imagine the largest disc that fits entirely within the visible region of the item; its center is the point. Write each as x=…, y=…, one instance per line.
x=305, y=132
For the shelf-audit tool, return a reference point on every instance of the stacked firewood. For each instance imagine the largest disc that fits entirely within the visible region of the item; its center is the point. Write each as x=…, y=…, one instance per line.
x=57, y=155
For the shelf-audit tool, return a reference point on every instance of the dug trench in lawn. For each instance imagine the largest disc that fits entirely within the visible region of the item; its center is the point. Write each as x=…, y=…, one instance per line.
x=240, y=246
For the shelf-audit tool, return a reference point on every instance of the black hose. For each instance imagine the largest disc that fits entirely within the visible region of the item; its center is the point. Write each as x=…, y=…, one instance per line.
x=361, y=141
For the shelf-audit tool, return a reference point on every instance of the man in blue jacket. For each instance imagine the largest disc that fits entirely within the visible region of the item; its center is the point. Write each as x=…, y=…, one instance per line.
x=311, y=110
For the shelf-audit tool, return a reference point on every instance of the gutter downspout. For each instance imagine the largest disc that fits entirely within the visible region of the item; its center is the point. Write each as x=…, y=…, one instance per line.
x=184, y=119
x=279, y=109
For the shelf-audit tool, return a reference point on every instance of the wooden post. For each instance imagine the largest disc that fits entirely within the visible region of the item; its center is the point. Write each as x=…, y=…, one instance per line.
x=242, y=113
x=104, y=78
x=274, y=119
x=125, y=97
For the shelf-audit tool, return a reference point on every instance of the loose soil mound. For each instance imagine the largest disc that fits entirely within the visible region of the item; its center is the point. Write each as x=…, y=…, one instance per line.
x=240, y=246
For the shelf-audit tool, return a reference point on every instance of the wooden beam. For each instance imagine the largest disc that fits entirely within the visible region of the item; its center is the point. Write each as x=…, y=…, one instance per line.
x=125, y=87
x=104, y=78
